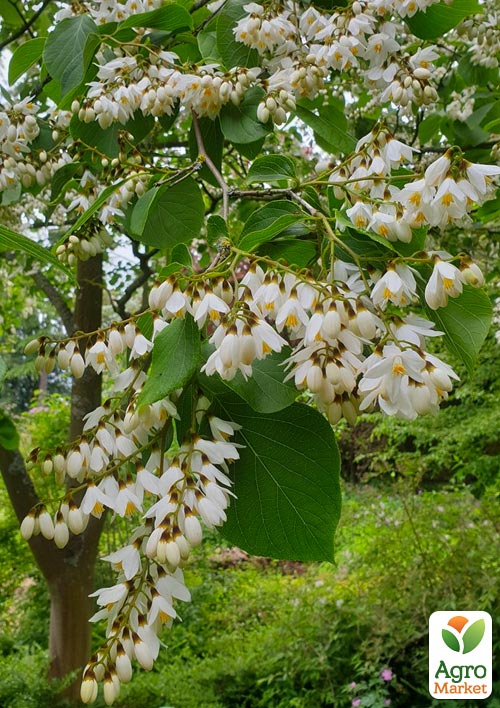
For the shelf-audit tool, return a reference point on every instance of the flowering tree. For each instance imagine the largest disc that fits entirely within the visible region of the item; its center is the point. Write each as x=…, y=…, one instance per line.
x=290, y=178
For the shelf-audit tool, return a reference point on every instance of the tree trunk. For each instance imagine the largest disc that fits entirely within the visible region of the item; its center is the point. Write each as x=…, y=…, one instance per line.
x=71, y=607
x=69, y=572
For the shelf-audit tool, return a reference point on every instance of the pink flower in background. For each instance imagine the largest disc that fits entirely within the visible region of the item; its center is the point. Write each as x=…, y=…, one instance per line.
x=356, y=702
x=352, y=684
x=386, y=675
x=387, y=702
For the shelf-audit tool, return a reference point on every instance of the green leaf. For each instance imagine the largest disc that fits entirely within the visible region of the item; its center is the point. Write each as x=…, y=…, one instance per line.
x=167, y=215
x=10, y=240
x=207, y=44
x=267, y=222
x=265, y=392
x=9, y=437
x=213, y=140
x=139, y=126
x=271, y=168
x=181, y=254
x=292, y=251
x=465, y=321
x=172, y=268
x=356, y=239
x=330, y=128
x=186, y=406
x=61, y=178
x=92, y=135
x=441, y=17
x=25, y=56
x=145, y=324
x=428, y=130
x=3, y=369
x=239, y=123
x=9, y=14
x=250, y=150
x=69, y=50
x=216, y=229
x=286, y=482
x=473, y=635
x=176, y=357
x=231, y=52
x=450, y=640
x=168, y=18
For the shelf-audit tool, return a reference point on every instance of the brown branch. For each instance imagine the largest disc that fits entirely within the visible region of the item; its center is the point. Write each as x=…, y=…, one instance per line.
x=18, y=11
x=28, y=23
x=198, y=5
x=57, y=301
x=23, y=497
x=144, y=275
x=213, y=169
x=142, y=278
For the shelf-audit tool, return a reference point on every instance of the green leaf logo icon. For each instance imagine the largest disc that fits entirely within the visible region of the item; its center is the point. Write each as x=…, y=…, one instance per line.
x=450, y=640
x=473, y=635
x=471, y=638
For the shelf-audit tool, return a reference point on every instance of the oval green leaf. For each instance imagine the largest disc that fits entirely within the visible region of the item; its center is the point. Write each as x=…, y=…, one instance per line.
x=168, y=18
x=24, y=57
x=465, y=321
x=265, y=392
x=271, y=168
x=439, y=18
x=167, y=215
x=69, y=50
x=239, y=123
x=286, y=483
x=268, y=222
x=175, y=358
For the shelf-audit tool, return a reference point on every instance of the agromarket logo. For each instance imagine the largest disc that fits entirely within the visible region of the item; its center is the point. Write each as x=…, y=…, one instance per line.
x=460, y=655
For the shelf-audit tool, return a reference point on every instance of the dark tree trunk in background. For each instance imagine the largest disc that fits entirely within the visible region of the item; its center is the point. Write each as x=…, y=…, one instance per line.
x=69, y=572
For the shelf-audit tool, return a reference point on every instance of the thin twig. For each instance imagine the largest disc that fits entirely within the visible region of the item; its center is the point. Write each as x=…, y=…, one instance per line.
x=213, y=169
x=57, y=301
x=143, y=277
x=19, y=33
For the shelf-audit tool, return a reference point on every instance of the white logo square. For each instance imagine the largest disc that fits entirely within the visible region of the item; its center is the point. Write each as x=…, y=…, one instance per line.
x=460, y=655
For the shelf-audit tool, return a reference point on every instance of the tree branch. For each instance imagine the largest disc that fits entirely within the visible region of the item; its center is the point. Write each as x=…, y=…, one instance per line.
x=213, y=169
x=23, y=497
x=146, y=272
x=57, y=301
x=28, y=23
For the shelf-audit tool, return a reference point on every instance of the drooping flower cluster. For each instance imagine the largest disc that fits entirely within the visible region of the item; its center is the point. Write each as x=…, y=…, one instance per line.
x=171, y=491
x=328, y=324
x=19, y=128
x=448, y=190
x=296, y=55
